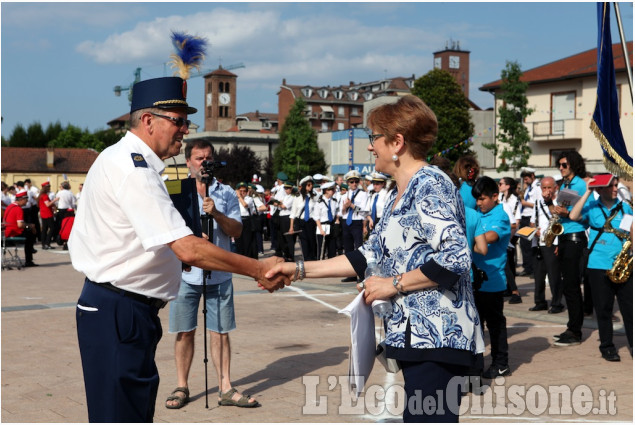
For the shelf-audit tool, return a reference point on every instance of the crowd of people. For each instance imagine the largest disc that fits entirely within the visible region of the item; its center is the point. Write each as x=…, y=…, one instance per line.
x=43, y=216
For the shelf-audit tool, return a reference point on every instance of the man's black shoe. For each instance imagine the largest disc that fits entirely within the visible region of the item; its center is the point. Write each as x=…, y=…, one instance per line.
x=611, y=355
x=556, y=309
x=515, y=299
x=31, y=264
x=525, y=273
x=566, y=339
x=33, y=251
x=538, y=307
x=349, y=279
x=495, y=371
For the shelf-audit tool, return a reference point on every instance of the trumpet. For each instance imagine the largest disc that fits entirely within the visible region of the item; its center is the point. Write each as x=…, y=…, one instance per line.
x=554, y=228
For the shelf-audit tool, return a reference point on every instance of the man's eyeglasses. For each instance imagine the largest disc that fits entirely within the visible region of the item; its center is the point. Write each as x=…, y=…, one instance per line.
x=373, y=137
x=353, y=181
x=563, y=165
x=179, y=122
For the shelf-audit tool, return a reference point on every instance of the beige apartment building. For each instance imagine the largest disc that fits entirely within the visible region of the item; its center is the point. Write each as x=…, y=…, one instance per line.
x=563, y=95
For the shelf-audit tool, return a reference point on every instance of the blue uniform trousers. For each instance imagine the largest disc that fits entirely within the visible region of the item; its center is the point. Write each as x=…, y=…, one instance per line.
x=118, y=337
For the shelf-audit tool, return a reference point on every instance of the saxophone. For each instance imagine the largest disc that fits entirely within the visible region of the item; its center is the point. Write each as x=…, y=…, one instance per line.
x=554, y=228
x=622, y=268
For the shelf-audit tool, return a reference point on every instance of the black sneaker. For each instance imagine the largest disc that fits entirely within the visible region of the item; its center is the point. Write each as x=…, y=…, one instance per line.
x=538, y=307
x=611, y=355
x=495, y=371
x=556, y=309
x=515, y=299
x=566, y=339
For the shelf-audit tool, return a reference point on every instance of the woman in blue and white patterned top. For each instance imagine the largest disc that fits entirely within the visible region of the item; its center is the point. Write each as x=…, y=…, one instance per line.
x=422, y=250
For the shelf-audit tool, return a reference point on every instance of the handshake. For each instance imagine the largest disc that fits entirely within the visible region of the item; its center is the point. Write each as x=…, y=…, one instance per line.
x=274, y=273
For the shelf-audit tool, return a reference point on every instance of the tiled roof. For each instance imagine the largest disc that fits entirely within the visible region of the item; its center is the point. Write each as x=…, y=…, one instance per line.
x=221, y=71
x=374, y=89
x=258, y=116
x=580, y=65
x=33, y=160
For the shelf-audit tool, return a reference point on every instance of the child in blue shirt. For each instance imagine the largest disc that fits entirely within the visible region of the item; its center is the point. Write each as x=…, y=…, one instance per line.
x=489, y=298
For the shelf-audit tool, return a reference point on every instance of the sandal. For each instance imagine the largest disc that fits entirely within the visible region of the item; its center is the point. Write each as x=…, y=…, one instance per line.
x=181, y=401
x=227, y=400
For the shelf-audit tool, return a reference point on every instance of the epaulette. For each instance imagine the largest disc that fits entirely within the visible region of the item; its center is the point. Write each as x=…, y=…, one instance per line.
x=139, y=160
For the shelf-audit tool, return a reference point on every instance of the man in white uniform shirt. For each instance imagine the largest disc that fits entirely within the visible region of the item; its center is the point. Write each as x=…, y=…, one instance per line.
x=546, y=259
x=130, y=242
x=353, y=212
x=377, y=200
x=531, y=194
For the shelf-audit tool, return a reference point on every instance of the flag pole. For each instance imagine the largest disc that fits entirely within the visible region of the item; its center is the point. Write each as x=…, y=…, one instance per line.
x=624, y=49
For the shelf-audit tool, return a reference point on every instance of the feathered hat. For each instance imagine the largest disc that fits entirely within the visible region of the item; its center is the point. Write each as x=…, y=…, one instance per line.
x=171, y=92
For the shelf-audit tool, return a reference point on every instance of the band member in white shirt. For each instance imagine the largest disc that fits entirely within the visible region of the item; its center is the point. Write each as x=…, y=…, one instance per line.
x=546, y=262
x=325, y=215
x=353, y=208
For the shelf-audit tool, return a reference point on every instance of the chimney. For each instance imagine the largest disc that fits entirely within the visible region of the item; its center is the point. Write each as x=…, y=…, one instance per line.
x=50, y=158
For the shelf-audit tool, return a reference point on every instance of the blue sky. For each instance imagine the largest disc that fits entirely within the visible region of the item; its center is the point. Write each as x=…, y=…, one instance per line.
x=60, y=61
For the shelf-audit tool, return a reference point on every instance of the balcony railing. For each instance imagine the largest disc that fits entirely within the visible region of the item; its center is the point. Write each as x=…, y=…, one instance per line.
x=559, y=129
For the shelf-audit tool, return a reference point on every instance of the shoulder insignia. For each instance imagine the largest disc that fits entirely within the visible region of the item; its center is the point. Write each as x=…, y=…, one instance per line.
x=139, y=160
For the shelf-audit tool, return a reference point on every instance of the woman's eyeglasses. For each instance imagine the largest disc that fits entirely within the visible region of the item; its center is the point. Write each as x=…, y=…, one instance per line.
x=373, y=137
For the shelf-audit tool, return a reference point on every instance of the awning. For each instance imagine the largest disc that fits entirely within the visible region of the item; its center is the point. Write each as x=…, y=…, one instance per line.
x=326, y=108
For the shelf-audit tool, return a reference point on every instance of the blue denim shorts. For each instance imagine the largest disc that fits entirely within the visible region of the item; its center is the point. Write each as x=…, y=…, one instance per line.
x=184, y=310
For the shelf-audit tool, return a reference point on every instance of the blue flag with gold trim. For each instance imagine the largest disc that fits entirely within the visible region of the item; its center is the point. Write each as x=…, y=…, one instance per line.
x=606, y=117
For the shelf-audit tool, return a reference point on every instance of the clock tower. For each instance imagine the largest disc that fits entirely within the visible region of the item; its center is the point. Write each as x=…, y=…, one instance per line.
x=220, y=100
x=456, y=62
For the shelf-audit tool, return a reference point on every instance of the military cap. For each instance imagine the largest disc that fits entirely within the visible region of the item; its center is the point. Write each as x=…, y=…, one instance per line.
x=162, y=93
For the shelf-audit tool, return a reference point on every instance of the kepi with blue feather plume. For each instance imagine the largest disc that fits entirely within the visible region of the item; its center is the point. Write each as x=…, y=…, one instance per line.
x=190, y=53
x=171, y=92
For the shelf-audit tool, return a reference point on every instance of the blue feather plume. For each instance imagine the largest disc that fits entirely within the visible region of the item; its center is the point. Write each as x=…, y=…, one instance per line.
x=190, y=52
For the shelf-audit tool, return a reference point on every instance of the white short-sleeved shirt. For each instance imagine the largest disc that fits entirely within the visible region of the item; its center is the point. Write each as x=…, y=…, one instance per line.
x=67, y=199
x=120, y=234
x=361, y=200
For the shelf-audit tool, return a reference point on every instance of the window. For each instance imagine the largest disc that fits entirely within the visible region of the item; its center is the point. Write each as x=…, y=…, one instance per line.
x=307, y=92
x=339, y=94
x=340, y=126
x=563, y=108
x=341, y=111
x=323, y=93
x=221, y=86
x=355, y=111
x=226, y=87
x=353, y=95
x=325, y=127
x=368, y=96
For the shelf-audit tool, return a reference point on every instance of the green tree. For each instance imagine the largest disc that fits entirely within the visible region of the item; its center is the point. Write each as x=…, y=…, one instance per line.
x=440, y=91
x=18, y=137
x=512, y=135
x=298, y=154
x=242, y=164
x=52, y=131
x=74, y=137
x=35, y=136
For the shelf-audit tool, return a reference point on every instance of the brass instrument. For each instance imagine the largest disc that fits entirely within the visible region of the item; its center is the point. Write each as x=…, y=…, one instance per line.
x=554, y=228
x=622, y=268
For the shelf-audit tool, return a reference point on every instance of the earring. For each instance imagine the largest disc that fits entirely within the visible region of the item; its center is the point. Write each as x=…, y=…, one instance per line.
x=395, y=157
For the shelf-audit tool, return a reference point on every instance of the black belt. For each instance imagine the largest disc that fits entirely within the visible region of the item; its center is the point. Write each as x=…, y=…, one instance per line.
x=573, y=237
x=152, y=302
